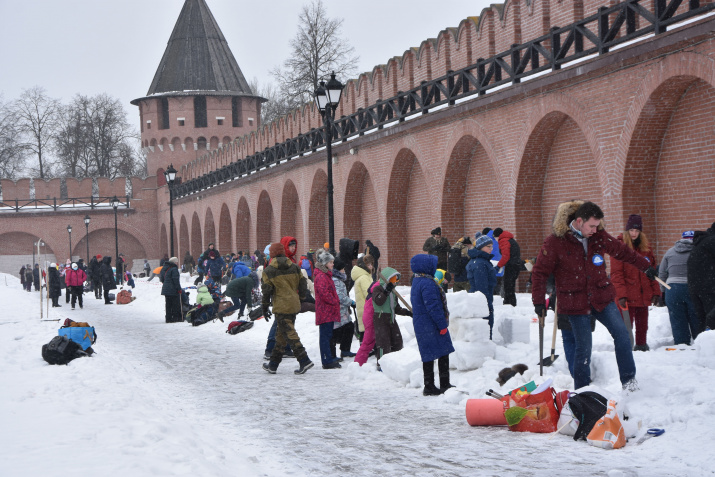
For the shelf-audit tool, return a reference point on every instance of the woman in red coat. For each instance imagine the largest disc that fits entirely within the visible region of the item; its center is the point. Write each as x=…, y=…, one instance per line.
x=633, y=288
x=327, y=306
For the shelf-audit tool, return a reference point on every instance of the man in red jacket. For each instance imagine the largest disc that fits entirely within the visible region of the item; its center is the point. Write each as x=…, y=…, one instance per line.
x=511, y=261
x=574, y=253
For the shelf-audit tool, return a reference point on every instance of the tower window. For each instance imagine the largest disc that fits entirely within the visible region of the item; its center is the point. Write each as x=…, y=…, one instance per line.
x=219, y=121
x=181, y=121
x=237, y=112
x=164, y=117
x=200, y=119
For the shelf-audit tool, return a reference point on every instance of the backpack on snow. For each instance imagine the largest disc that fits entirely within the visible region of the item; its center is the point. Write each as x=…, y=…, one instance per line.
x=588, y=408
x=240, y=326
x=455, y=265
x=61, y=350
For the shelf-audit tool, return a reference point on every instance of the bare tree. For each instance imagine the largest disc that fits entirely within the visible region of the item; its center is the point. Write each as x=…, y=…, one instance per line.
x=95, y=139
x=36, y=115
x=12, y=152
x=277, y=105
x=316, y=51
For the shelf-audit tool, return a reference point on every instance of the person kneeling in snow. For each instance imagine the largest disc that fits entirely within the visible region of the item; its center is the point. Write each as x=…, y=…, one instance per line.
x=430, y=318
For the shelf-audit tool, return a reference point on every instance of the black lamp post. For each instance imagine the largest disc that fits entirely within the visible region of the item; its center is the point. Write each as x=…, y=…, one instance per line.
x=328, y=96
x=86, y=236
x=115, y=203
x=69, y=231
x=170, y=175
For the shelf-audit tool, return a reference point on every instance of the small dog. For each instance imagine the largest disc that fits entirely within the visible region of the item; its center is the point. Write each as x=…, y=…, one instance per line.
x=507, y=373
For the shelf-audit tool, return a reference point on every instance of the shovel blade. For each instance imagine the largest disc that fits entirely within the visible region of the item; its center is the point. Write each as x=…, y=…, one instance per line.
x=549, y=360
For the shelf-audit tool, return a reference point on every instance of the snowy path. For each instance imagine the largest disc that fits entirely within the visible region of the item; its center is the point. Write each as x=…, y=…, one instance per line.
x=207, y=389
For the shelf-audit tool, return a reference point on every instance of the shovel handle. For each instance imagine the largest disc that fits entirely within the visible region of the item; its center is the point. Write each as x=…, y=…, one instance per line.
x=665, y=285
x=404, y=302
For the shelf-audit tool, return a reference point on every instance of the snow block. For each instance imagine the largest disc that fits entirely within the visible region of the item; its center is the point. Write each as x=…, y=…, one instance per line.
x=705, y=349
x=469, y=356
x=474, y=330
x=467, y=305
x=514, y=329
x=399, y=365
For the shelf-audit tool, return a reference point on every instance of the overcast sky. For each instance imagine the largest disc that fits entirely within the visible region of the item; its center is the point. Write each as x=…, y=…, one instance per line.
x=114, y=47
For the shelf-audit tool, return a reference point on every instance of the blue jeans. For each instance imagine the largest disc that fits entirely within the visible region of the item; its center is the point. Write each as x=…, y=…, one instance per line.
x=271, y=343
x=569, y=342
x=326, y=334
x=684, y=320
x=240, y=305
x=581, y=326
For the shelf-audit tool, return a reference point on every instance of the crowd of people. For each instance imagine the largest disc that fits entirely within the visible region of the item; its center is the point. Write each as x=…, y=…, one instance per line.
x=76, y=278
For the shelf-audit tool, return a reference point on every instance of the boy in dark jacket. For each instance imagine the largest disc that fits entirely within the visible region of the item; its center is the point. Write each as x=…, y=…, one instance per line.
x=481, y=274
x=171, y=291
x=240, y=290
x=283, y=286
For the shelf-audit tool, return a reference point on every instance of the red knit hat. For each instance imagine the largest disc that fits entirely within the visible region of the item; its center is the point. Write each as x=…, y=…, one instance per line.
x=98, y=256
x=276, y=250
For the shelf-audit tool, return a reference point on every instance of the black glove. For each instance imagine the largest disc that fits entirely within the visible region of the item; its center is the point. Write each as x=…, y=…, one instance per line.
x=389, y=287
x=267, y=314
x=651, y=273
x=540, y=309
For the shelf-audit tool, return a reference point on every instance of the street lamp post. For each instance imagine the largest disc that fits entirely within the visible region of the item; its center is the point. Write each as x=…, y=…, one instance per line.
x=69, y=231
x=328, y=96
x=170, y=175
x=86, y=235
x=115, y=203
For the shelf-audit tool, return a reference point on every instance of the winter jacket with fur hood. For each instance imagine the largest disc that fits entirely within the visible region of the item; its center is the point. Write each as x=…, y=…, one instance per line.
x=327, y=303
x=631, y=283
x=581, y=279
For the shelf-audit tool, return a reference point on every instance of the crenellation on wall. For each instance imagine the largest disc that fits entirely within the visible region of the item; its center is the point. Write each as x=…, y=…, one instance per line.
x=109, y=188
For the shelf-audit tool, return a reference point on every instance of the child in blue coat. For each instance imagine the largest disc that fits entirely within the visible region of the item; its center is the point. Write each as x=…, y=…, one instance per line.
x=429, y=316
x=481, y=273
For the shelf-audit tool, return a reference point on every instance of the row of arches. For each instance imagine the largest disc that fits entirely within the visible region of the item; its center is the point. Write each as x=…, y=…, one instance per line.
x=668, y=161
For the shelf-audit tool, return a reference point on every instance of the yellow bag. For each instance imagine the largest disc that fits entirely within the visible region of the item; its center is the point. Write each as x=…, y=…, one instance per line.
x=608, y=431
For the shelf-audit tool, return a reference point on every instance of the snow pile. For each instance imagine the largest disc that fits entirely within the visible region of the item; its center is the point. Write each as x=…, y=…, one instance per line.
x=705, y=350
x=467, y=305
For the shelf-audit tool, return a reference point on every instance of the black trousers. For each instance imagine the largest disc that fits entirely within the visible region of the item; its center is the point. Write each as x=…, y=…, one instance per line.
x=173, y=309
x=106, y=296
x=97, y=288
x=342, y=336
x=77, y=292
x=511, y=273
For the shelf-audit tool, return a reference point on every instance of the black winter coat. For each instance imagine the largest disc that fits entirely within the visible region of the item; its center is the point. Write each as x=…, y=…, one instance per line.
x=54, y=285
x=22, y=275
x=106, y=274
x=373, y=251
x=171, y=286
x=241, y=288
x=701, y=263
x=94, y=267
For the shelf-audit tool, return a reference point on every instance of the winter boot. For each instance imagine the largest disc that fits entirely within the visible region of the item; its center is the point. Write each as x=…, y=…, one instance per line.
x=631, y=386
x=267, y=356
x=430, y=389
x=270, y=367
x=347, y=354
x=332, y=365
x=305, y=365
x=643, y=347
x=443, y=366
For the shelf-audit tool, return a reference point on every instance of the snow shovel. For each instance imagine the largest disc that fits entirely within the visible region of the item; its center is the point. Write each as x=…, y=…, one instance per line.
x=404, y=302
x=542, y=319
x=627, y=321
x=549, y=360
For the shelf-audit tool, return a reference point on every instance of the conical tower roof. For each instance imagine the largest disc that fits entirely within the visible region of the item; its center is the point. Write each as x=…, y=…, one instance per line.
x=197, y=58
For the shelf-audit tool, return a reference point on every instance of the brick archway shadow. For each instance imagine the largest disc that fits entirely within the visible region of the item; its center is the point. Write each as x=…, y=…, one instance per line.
x=243, y=225
x=318, y=212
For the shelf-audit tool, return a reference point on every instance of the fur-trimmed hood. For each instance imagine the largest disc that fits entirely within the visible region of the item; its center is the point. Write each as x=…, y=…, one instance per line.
x=565, y=214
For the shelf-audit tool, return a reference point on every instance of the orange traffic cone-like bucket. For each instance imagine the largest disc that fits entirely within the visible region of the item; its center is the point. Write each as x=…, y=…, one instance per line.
x=485, y=412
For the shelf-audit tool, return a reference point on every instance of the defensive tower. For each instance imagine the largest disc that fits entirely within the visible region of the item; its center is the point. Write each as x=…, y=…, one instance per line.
x=199, y=99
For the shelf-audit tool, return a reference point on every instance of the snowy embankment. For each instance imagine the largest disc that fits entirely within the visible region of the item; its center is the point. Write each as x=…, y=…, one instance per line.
x=170, y=399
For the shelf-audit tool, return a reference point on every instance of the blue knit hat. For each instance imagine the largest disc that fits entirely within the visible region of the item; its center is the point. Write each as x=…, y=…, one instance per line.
x=481, y=240
x=689, y=234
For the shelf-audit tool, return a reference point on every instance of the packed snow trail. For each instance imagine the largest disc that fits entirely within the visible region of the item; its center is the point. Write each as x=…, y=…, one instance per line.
x=196, y=401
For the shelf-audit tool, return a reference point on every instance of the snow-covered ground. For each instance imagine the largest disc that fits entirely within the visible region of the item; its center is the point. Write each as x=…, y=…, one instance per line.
x=163, y=399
